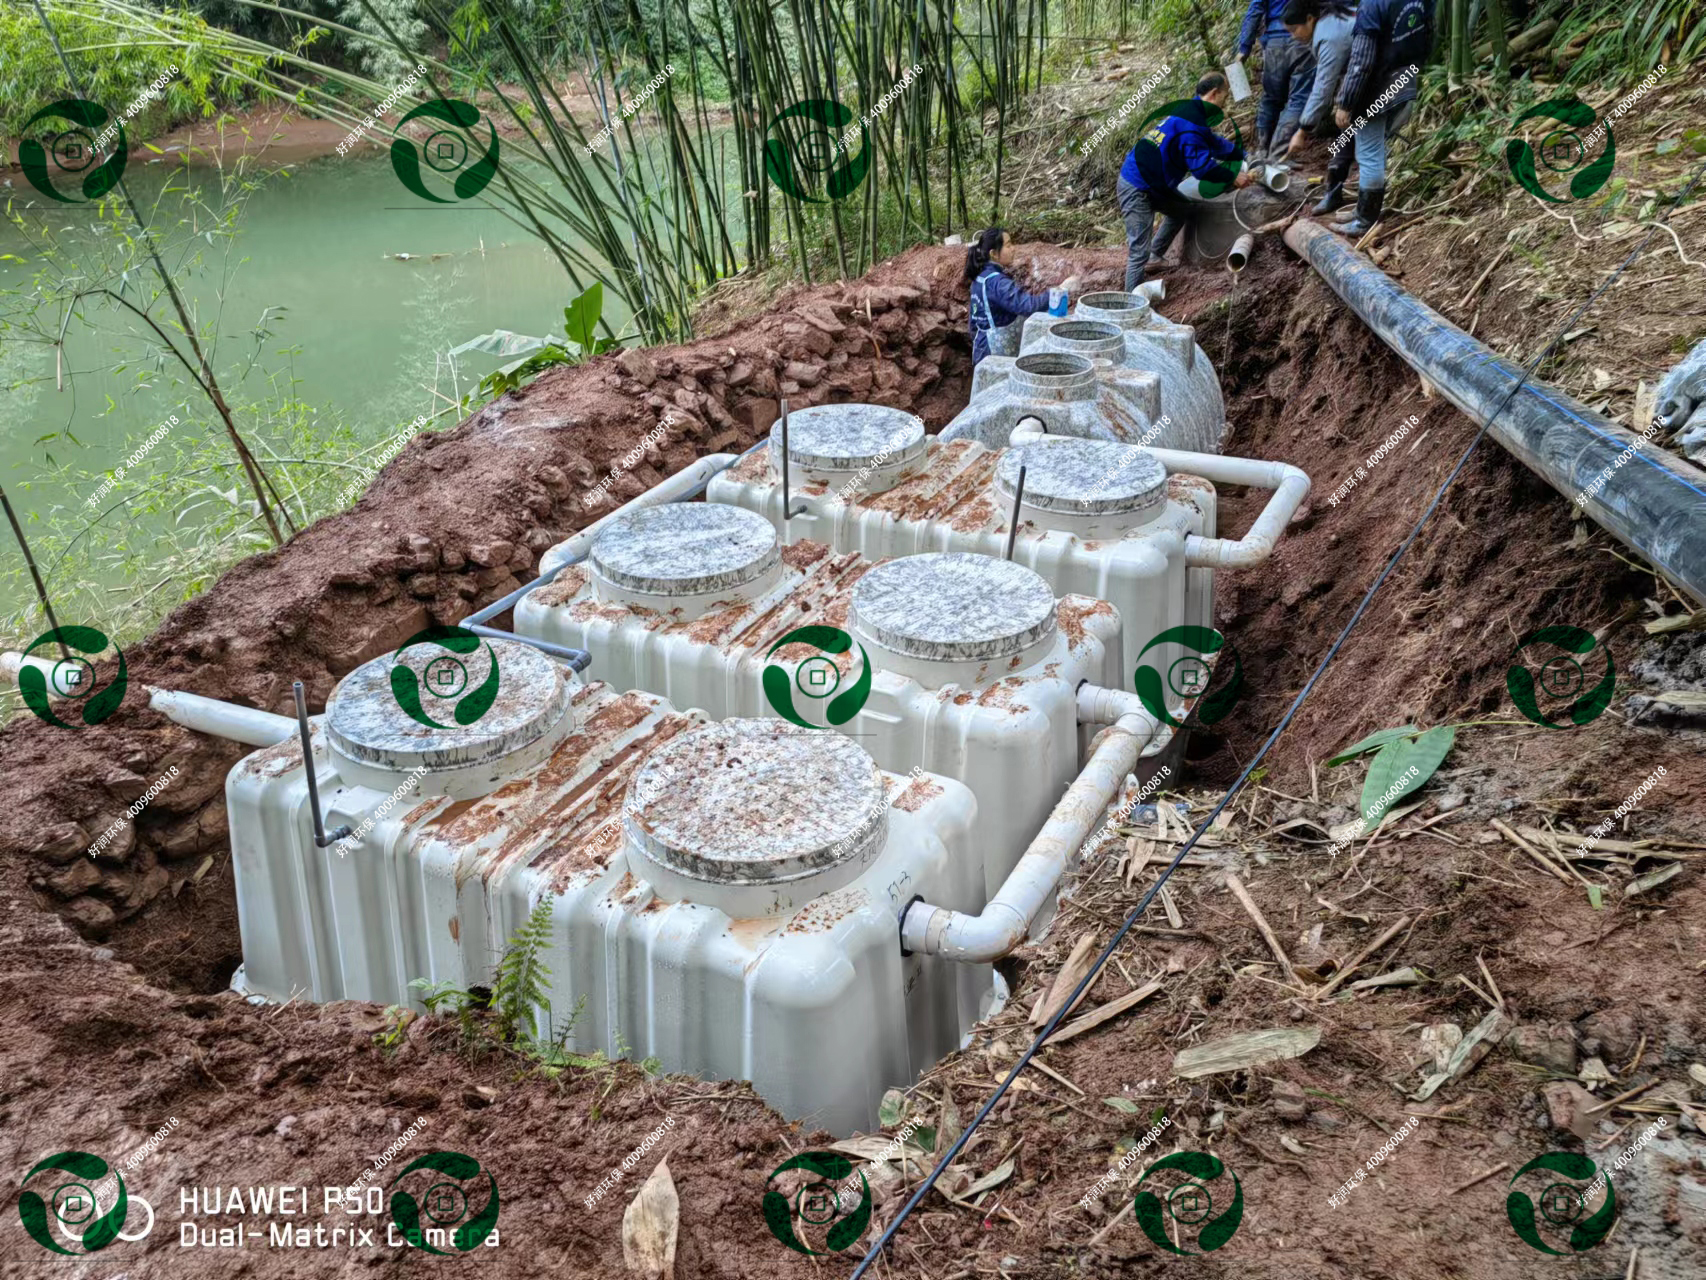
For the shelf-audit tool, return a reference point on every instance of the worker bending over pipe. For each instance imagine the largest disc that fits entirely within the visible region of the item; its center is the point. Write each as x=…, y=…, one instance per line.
x=1183, y=142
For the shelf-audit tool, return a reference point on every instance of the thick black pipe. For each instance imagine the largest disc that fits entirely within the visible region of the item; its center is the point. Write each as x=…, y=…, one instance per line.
x=1654, y=503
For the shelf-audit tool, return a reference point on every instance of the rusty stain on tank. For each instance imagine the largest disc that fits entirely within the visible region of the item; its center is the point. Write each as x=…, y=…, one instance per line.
x=281, y=757
x=916, y=794
x=1072, y=613
x=824, y=912
x=562, y=588
x=456, y=928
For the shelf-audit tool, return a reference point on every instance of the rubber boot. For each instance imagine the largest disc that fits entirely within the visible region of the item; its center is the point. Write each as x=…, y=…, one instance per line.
x=1369, y=202
x=1333, y=198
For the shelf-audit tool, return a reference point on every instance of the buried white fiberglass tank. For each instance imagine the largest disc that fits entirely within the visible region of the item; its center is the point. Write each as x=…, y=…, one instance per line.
x=965, y=665
x=1098, y=519
x=1112, y=370
x=725, y=897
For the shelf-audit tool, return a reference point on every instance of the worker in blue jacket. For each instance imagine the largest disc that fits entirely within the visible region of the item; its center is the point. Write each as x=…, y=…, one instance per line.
x=1389, y=46
x=1182, y=143
x=997, y=301
x=1288, y=73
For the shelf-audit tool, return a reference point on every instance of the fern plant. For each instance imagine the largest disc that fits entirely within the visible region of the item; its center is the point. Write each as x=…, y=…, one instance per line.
x=520, y=988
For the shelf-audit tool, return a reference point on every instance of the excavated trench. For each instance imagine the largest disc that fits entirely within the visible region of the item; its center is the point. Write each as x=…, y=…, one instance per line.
x=462, y=518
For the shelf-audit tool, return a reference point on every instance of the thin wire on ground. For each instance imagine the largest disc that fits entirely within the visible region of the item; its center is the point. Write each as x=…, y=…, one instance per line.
x=1084, y=983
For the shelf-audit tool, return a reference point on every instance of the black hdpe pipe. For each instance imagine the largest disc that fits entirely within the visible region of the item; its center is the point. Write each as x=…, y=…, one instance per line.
x=1655, y=503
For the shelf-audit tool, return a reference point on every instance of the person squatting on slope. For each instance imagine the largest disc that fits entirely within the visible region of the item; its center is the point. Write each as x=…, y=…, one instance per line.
x=1148, y=184
x=1389, y=42
x=996, y=301
x=1288, y=72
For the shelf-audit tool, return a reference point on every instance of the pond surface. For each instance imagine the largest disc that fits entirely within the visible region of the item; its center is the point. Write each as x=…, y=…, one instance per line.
x=353, y=325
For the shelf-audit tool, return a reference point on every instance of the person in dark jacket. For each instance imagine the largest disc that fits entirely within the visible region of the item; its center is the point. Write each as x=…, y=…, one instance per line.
x=1389, y=46
x=1288, y=73
x=1326, y=26
x=996, y=301
x=1180, y=144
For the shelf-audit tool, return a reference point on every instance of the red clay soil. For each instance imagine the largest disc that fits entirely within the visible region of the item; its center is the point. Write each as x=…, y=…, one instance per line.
x=131, y=1003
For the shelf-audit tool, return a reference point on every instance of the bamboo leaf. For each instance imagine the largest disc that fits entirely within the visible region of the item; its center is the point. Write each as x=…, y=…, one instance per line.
x=1379, y=738
x=1389, y=779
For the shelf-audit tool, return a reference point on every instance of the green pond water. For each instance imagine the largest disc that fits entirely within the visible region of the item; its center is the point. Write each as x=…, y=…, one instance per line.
x=367, y=332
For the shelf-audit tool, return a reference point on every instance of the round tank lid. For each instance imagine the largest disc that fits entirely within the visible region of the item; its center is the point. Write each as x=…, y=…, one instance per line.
x=749, y=802
x=953, y=605
x=1084, y=477
x=685, y=548
x=1128, y=310
x=848, y=437
x=401, y=710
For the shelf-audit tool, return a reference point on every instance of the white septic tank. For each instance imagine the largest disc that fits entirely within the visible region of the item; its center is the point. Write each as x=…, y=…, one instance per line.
x=972, y=663
x=1191, y=398
x=1097, y=518
x=725, y=896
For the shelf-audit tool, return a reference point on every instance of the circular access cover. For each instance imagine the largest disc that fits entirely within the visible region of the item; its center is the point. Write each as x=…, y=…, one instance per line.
x=953, y=605
x=370, y=717
x=685, y=549
x=758, y=802
x=1084, y=478
x=1127, y=310
x=849, y=437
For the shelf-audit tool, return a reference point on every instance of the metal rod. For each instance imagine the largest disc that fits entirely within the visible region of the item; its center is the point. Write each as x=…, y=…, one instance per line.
x=1013, y=522
x=787, y=506
x=321, y=839
x=30, y=560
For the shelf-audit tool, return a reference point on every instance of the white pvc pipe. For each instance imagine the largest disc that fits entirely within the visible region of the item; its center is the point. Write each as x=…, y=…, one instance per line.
x=205, y=715
x=694, y=476
x=1005, y=922
x=1097, y=705
x=251, y=725
x=1290, y=487
x=11, y=663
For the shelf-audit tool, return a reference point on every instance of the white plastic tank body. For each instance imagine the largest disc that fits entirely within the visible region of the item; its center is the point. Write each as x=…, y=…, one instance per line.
x=1191, y=398
x=1098, y=519
x=1072, y=395
x=725, y=897
x=973, y=662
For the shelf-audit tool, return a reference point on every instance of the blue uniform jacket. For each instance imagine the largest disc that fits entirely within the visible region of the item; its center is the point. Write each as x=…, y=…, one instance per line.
x=1180, y=145
x=1389, y=36
x=1274, y=30
x=997, y=302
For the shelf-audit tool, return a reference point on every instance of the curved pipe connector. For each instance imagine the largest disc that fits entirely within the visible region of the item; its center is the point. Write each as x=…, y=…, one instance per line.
x=1005, y=922
x=1290, y=486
